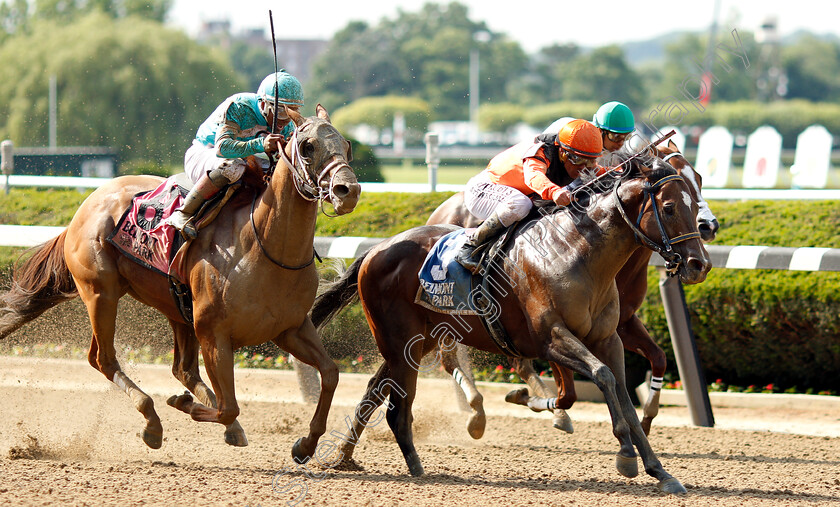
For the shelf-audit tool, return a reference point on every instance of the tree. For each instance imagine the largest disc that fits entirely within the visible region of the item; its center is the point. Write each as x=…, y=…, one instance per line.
x=67, y=10
x=681, y=62
x=128, y=83
x=813, y=69
x=425, y=54
x=603, y=75
x=549, y=69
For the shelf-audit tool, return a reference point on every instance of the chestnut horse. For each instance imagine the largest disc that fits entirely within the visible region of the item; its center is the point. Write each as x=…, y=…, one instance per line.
x=632, y=287
x=251, y=274
x=558, y=301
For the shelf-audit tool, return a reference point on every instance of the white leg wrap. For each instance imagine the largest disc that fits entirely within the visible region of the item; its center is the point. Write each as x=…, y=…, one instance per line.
x=540, y=404
x=119, y=379
x=458, y=375
x=655, y=386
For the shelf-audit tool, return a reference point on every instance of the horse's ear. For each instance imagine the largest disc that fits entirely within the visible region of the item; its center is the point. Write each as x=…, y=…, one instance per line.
x=296, y=117
x=672, y=144
x=322, y=113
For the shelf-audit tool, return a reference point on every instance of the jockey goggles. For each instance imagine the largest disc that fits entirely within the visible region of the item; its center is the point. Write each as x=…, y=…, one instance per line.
x=617, y=137
x=576, y=159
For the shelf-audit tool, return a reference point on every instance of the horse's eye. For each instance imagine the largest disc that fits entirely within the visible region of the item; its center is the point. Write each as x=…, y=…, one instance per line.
x=669, y=208
x=308, y=149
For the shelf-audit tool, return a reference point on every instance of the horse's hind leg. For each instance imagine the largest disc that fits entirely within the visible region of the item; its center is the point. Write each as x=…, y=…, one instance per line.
x=100, y=298
x=377, y=391
x=185, y=369
x=477, y=421
x=305, y=344
x=399, y=416
x=636, y=338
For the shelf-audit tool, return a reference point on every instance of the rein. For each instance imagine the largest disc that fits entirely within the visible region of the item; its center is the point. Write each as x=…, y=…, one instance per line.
x=673, y=260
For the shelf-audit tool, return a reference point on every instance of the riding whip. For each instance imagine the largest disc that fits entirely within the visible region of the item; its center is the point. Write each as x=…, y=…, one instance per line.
x=276, y=81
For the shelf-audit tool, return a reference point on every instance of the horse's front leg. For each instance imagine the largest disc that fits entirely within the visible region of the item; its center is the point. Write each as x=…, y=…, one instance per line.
x=566, y=350
x=611, y=352
x=185, y=369
x=305, y=344
x=543, y=398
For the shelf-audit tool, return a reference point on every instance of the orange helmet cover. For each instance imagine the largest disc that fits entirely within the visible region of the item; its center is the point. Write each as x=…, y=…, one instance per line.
x=582, y=138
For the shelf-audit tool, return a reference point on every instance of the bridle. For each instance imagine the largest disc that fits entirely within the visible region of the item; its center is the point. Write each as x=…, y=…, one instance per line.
x=306, y=181
x=307, y=184
x=673, y=260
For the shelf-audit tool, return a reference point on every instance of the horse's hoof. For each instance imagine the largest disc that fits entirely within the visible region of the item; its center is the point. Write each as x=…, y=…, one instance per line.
x=236, y=438
x=180, y=401
x=346, y=452
x=518, y=396
x=672, y=486
x=298, y=453
x=415, y=468
x=562, y=421
x=476, y=424
x=153, y=439
x=627, y=466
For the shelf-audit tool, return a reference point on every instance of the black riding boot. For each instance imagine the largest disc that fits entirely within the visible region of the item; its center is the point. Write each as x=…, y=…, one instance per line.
x=486, y=231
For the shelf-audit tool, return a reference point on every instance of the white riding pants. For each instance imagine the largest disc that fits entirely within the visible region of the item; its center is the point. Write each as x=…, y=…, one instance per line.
x=483, y=197
x=200, y=159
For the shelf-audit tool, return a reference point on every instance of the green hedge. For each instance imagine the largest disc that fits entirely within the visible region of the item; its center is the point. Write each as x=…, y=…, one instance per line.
x=752, y=326
x=765, y=326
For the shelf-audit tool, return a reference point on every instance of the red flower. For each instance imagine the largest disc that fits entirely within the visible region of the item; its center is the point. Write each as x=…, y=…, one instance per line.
x=499, y=368
x=359, y=359
x=512, y=370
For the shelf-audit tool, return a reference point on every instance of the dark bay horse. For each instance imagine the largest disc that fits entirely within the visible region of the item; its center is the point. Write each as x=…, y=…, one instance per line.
x=251, y=274
x=631, y=281
x=557, y=300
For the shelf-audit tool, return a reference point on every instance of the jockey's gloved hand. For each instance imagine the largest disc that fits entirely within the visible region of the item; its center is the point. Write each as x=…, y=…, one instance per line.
x=272, y=143
x=562, y=197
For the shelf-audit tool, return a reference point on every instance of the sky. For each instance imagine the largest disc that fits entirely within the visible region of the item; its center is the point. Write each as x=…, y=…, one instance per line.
x=531, y=23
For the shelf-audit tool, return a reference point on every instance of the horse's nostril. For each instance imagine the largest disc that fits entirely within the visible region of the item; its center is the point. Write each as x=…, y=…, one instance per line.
x=340, y=191
x=694, y=264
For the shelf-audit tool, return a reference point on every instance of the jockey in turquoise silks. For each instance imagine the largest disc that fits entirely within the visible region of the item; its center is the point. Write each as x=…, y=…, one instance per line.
x=235, y=130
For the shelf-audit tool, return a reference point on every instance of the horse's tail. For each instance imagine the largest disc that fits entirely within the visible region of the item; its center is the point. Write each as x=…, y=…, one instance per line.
x=337, y=295
x=37, y=284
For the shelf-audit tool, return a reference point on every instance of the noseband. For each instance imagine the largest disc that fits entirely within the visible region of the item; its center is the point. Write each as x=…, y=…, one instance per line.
x=673, y=260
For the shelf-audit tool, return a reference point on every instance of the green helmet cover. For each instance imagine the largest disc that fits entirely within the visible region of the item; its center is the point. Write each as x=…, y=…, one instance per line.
x=290, y=92
x=615, y=117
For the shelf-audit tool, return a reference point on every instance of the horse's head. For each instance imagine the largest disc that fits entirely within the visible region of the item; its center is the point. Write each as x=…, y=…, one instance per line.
x=707, y=222
x=658, y=205
x=324, y=156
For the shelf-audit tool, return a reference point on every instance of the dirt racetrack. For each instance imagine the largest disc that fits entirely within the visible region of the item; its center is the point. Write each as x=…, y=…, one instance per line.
x=67, y=437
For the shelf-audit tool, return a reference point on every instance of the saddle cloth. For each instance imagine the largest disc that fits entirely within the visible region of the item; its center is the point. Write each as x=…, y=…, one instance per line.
x=142, y=234
x=445, y=285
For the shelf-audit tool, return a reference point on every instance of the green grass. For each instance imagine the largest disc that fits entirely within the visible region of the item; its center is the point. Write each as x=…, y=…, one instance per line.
x=447, y=174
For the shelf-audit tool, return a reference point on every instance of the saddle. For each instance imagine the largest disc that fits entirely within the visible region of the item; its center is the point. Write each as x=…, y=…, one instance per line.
x=447, y=287
x=143, y=235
